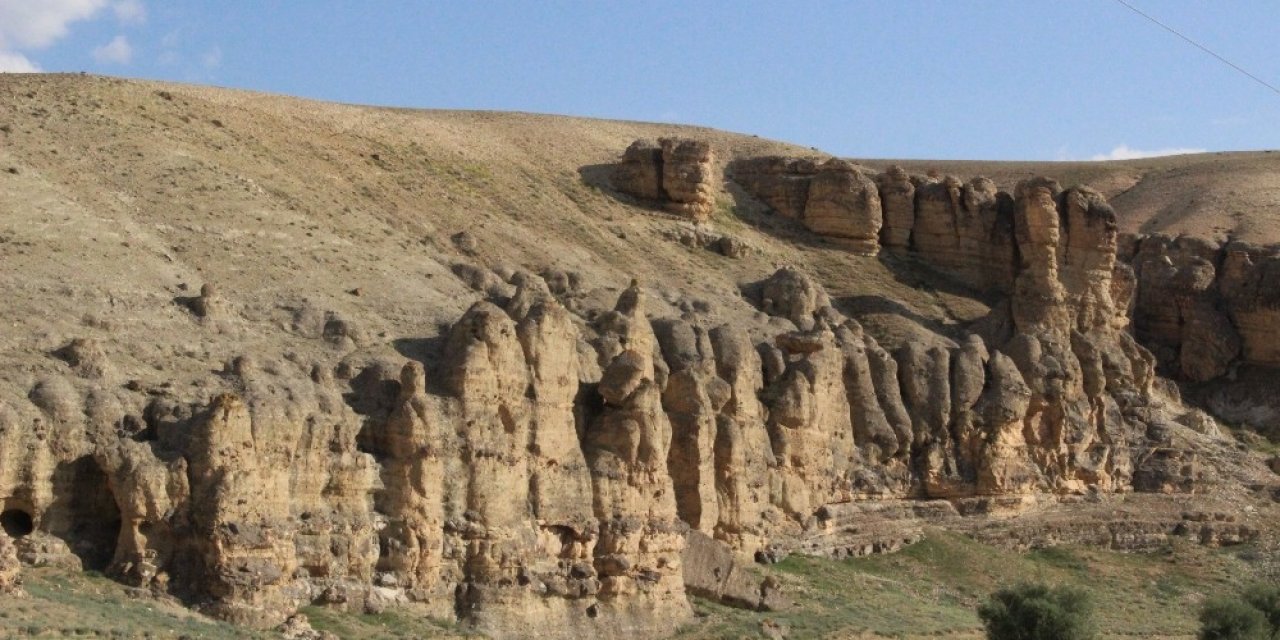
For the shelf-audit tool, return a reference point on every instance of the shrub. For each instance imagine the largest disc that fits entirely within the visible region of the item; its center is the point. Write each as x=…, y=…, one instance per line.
x=1266, y=598
x=1037, y=612
x=1232, y=619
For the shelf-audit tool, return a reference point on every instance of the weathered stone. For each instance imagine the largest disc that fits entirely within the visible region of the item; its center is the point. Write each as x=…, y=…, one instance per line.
x=781, y=183
x=712, y=571
x=898, y=204
x=677, y=174
x=843, y=203
x=791, y=294
x=10, y=568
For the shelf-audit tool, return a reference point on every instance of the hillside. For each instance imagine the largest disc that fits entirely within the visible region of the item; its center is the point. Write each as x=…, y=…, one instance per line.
x=262, y=353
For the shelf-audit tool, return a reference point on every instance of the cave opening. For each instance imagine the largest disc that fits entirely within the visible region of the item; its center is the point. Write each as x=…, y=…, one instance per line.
x=85, y=514
x=17, y=523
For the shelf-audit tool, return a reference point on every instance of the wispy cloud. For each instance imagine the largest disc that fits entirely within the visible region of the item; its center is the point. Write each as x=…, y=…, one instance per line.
x=118, y=51
x=1125, y=152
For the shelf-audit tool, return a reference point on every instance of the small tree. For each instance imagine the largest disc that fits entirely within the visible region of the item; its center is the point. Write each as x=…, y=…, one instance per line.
x=1266, y=598
x=1037, y=612
x=1232, y=619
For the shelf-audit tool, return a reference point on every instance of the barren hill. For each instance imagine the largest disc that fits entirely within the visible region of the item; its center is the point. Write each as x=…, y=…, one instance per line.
x=261, y=352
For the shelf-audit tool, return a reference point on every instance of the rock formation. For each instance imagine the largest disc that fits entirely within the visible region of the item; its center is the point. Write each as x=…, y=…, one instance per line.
x=566, y=473
x=898, y=207
x=10, y=569
x=1202, y=306
x=780, y=182
x=843, y=203
x=676, y=174
x=834, y=199
x=964, y=229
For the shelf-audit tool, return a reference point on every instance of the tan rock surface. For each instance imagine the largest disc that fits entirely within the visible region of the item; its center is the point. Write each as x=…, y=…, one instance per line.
x=843, y=203
x=677, y=174
x=378, y=405
x=10, y=568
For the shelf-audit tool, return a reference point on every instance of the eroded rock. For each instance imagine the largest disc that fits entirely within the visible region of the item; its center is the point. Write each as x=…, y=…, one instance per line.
x=677, y=174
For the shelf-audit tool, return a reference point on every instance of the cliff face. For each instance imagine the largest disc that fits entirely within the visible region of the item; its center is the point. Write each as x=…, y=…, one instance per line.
x=1205, y=306
x=533, y=456
x=545, y=471
x=834, y=198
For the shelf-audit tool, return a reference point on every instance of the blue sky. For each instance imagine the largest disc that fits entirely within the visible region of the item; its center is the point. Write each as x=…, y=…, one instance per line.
x=994, y=79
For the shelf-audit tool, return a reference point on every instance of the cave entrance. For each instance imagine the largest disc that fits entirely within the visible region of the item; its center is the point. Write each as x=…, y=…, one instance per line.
x=84, y=512
x=16, y=522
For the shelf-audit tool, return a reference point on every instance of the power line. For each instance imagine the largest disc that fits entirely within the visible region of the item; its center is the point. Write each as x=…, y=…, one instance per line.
x=1200, y=47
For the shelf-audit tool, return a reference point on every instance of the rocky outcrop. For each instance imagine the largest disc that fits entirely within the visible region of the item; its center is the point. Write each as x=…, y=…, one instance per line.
x=1080, y=366
x=843, y=203
x=898, y=207
x=781, y=182
x=572, y=472
x=1204, y=307
x=712, y=571
x=835, y=199
x=676, y=174
x=964, y=229
x=627, y=447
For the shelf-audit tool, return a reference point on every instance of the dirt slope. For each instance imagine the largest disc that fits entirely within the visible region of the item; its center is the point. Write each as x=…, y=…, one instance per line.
x=120, y=197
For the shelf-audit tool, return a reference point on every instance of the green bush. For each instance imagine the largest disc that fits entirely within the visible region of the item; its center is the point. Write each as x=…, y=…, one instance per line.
x=1037, y=612
x=1266, y=598
x=1232, y=619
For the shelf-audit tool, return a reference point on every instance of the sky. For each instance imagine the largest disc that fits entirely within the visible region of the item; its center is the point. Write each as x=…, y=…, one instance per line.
x=961, y=79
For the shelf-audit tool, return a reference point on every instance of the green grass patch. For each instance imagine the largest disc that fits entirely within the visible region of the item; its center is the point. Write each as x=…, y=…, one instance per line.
x=64, y=604
x=934, y=587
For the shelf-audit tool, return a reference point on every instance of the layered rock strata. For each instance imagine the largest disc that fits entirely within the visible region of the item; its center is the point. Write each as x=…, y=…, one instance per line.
x=676, y=174
x=1205, y=307
x=1201, y=306
x=835, y=198
x=544, y=471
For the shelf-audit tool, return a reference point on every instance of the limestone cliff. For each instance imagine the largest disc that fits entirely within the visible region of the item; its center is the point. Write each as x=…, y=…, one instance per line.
x=566, y=461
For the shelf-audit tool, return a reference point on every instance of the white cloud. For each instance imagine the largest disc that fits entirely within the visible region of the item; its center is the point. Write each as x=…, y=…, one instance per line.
x=36, y=24
x=130, y=11
x=1124, y=152
x=16, y=63
x=118, y=51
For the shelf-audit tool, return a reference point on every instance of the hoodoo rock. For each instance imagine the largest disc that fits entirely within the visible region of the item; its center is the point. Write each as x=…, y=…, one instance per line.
x=1201, y=306
x=965, y=229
